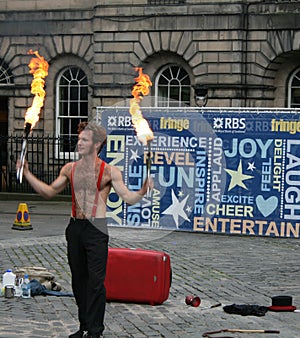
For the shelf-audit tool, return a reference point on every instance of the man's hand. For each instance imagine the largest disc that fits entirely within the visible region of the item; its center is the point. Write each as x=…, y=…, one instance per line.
x=148, y=185
x=25, y=167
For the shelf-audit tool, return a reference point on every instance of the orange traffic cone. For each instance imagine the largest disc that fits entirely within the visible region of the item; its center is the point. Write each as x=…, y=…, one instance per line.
x=22, y=221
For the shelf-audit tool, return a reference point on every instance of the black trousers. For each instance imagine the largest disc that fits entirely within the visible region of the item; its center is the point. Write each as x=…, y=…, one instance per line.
x=87, y=255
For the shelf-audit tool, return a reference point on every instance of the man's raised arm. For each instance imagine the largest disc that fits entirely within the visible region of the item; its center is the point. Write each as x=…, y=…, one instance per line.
x=46, y=190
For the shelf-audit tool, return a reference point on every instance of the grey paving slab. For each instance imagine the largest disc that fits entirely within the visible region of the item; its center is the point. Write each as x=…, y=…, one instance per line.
x=218, y=268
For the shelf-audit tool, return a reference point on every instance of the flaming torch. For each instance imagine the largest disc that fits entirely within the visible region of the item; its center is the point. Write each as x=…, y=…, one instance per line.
x=39, y=69
x=141, y=126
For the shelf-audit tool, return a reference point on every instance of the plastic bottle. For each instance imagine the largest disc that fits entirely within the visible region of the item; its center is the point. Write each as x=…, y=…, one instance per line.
x=26, y=292
x=9, y=278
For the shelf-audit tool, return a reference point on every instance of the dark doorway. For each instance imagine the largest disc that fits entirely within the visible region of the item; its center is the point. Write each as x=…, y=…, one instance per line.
x=3, y=141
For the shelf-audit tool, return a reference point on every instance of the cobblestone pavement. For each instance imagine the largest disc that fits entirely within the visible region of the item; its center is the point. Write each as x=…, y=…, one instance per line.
x=218, y=268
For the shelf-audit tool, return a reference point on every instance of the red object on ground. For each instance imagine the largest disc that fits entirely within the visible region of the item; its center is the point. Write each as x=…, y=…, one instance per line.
x=194, y=301
x=138, y=276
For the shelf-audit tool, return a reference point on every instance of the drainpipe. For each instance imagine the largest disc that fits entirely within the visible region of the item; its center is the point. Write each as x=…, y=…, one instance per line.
x=244, y=76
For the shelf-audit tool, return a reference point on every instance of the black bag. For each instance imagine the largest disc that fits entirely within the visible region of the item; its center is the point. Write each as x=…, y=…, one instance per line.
x=246, y=310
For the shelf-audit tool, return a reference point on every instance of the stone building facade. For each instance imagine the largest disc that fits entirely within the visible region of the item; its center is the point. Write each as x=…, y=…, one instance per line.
x=242, y=53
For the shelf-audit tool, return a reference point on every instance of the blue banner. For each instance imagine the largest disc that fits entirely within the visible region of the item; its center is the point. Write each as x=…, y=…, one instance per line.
x=230, y=171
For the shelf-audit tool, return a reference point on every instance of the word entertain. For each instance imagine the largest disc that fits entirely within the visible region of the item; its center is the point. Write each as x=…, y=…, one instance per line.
x=247, y=227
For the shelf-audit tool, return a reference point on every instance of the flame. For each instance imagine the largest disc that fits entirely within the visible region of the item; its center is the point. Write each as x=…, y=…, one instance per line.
x=39, y=69
x=140, y=89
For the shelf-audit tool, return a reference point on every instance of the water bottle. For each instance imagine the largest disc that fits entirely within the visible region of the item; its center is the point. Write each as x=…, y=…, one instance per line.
x=9, y=278
x=26, y=292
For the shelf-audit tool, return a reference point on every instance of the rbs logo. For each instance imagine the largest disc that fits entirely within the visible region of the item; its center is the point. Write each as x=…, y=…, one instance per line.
x=119, y=121
x=229, y=123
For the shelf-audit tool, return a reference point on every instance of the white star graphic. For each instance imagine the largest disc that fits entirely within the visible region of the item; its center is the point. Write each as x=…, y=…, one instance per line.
x=237, y=177
x=134, y=155
x=180, y=193
x=251, y=166
x=176, y=209
x=189, y=208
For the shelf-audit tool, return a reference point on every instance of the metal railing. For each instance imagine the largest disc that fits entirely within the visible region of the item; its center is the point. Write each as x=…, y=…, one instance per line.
x=46, y=156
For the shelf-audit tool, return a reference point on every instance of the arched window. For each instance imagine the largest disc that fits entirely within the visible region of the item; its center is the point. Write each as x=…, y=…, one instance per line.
x=294, y=90
x=71, y=105
x=172, y=87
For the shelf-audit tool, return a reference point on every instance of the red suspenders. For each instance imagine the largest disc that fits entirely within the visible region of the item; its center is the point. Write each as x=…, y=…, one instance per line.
x=97, y=192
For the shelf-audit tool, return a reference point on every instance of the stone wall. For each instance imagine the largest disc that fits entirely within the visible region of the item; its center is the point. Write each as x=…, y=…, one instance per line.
x=243, y=51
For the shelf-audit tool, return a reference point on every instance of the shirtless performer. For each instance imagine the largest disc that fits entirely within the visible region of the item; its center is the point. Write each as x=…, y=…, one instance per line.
x=86, y=233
